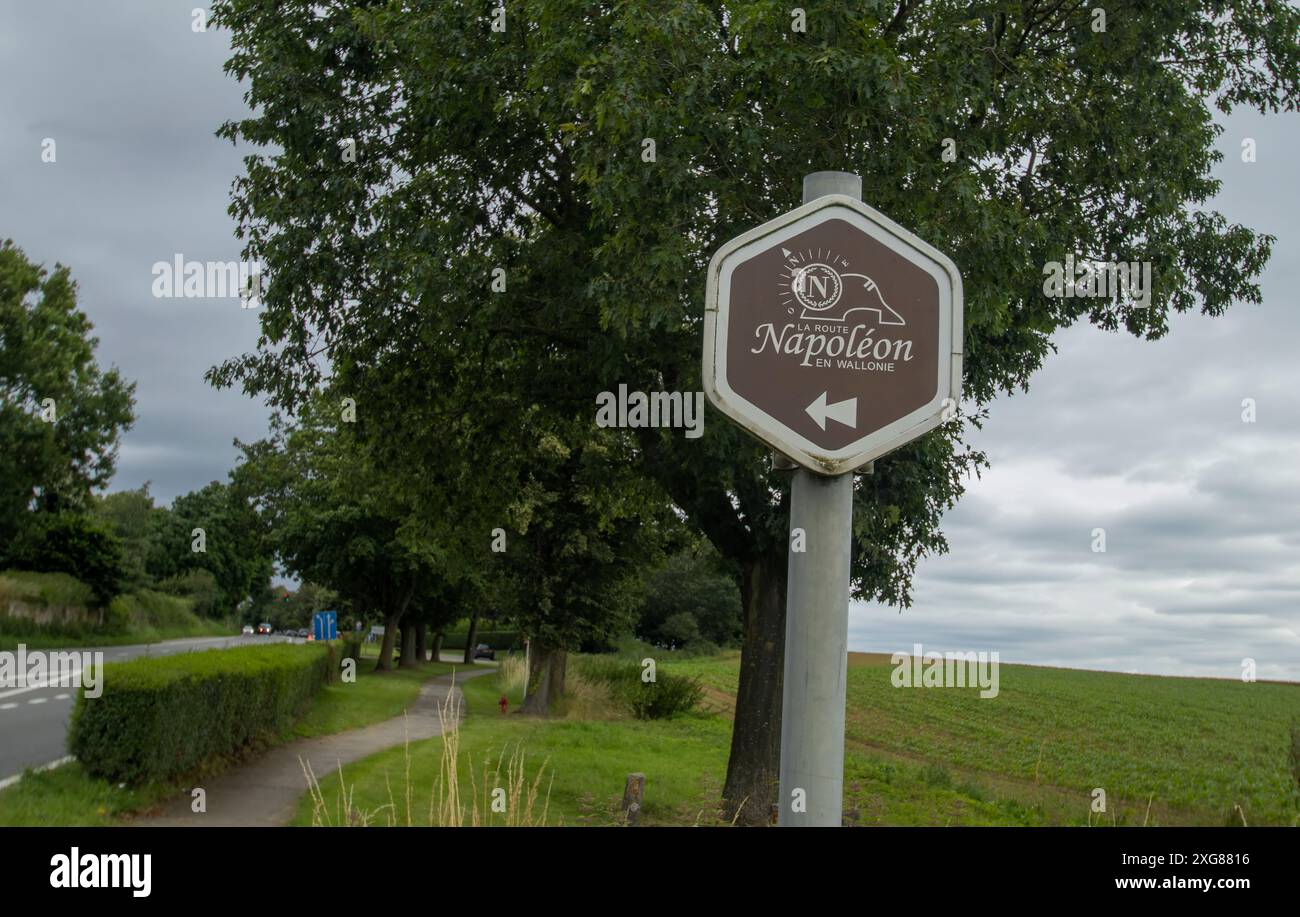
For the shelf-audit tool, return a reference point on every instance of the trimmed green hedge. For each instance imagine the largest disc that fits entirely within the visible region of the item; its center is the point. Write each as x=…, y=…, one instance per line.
x=159, y=718
x=497, y=639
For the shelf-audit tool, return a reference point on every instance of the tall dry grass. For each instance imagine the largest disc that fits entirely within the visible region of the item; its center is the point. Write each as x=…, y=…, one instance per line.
x=492, y=798
x=585, y=697
x=511, y=673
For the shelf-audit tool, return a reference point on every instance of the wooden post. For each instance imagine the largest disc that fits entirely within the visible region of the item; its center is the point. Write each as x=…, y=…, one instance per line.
x=633, y=793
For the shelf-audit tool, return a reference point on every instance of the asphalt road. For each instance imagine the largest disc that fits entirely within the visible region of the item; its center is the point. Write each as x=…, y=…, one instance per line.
x=34, y=720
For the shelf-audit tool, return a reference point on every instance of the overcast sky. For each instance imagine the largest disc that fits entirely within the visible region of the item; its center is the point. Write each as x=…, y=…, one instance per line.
x=1145, y=440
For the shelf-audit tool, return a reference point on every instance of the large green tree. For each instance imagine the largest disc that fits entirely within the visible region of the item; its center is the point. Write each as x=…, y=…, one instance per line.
x=689, y=587
x=415, y=153
x=217, y=528
x=152, y=540
x=334, y=518
x=582, y=531
x=60, y=413
x=75, y=543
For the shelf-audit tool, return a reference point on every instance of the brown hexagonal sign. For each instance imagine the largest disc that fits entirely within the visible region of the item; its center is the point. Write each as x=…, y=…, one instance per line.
x=833, y=334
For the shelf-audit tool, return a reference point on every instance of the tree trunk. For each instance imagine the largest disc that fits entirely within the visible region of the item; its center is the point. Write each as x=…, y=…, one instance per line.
x=385, y=662
x=550, y=665
x=470, y=638
x=422, y=643
x=408, y=646
x=437, y=647
x=390, y=632
x=539, y=689
x=559, y=672
x=754, y=765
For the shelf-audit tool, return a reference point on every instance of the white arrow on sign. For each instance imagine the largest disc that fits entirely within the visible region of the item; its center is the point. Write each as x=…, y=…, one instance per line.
x=846, y=412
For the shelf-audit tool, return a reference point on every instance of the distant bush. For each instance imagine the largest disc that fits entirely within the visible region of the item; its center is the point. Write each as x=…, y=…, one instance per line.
x=668, y=695
x=631, y=647
x=146, y=610
x=72, y=543
x=680, y=629
x=143, y=614
x=160, y=718
x=497, y=639
x=199, y=586
x=690, y=599
x=45, y=589
x=73, y=602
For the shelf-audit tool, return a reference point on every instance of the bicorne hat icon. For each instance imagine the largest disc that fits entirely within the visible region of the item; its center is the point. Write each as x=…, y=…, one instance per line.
x=830, y=296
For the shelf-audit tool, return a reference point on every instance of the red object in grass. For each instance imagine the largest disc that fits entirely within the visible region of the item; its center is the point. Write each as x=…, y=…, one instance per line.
x=504, y=702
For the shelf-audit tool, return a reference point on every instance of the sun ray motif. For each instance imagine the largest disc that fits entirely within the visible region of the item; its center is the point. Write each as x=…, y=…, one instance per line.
x=810, y=280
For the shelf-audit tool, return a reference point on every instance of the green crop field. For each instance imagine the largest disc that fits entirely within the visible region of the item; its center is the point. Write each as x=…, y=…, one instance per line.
x=1193, y=750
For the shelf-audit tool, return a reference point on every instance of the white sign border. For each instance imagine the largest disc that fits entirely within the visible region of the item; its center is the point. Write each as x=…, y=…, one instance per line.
x=772, y=431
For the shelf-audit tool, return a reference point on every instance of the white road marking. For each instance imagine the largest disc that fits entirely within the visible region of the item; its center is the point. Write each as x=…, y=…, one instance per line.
x=68, y=680
x=7, y=706
x=38, y=700
x=10, y=781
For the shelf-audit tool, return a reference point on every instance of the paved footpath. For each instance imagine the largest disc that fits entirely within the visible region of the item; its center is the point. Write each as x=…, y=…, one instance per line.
x=265, y=793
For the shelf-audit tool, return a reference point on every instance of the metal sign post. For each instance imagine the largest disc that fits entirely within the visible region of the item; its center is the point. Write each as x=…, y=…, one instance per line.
x=816, y=651
x=834, y=336
x=815, y=685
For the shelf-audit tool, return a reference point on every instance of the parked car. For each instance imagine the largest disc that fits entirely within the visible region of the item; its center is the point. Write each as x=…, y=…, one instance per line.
x=301, y=632
x=483, y=651
x=248, y=629
x=264, y=629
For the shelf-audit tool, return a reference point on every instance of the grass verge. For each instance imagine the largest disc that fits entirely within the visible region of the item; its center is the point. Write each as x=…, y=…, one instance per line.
x=586, y=763
x=372, y=698
x=67, y=796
